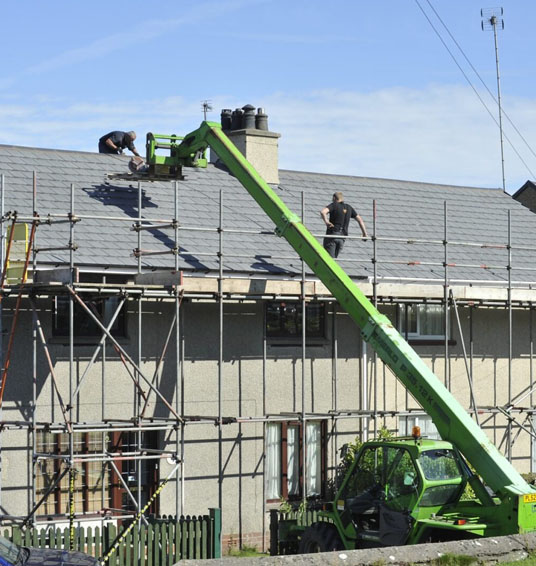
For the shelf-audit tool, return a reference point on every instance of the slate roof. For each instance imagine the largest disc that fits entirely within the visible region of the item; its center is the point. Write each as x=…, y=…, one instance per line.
x=404, y=209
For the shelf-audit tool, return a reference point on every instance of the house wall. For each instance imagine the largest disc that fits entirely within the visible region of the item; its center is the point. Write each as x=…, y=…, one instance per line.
x=239, y=451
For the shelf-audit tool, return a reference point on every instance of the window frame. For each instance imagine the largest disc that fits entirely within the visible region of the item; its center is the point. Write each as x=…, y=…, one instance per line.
x=149, y=467
x=284, y=472
x=114, y=442
x=59, y=440
x=295, y=339
x=60, y=331
x=416, y=338
x=424, y=422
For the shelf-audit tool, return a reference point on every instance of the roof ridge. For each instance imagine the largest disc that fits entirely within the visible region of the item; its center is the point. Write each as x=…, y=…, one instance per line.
x=405, y=181
x=11, y=146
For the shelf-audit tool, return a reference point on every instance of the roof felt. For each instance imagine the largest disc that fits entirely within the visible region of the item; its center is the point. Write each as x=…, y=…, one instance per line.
x=404, y=209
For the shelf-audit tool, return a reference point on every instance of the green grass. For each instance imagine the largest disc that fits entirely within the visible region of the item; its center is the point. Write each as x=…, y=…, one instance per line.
x=454, y=560
x=530, y=561
x=245, y=551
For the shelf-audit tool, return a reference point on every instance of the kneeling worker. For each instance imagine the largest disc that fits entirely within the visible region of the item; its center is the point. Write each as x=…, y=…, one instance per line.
x=117, y=141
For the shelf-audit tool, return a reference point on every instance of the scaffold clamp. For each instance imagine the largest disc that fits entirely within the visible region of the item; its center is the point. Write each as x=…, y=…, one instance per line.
x=287, y=221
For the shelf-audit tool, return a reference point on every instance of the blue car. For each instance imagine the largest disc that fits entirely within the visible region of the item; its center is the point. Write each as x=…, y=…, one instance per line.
x=12, y=554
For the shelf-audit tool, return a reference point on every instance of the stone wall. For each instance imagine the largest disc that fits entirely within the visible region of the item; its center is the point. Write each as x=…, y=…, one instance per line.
x=484, y=551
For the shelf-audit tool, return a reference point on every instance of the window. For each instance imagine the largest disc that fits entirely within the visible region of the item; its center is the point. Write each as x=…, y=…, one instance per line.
x=428, y=429
x=84, y=326
x=440, y=465
x=422, y=321
x=284, y=320
x=126, y=444
x=284, y=460
x=97, y=486
x=91, y=484
x=383, y=470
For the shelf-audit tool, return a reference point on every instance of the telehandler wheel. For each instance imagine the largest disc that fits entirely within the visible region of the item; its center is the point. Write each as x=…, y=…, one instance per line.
x=320, y=537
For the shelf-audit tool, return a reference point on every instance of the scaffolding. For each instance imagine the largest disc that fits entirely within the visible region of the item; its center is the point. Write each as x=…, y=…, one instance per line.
x=371, y=413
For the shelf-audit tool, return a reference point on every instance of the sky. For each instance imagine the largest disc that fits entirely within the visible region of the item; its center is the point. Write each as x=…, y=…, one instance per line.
x=354, y=87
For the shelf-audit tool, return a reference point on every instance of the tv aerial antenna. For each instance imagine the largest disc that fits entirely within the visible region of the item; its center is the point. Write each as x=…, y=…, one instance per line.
x=492, y=19
x=206, y=105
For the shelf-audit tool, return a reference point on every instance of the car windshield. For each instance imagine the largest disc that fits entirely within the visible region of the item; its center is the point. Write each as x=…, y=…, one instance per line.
x=11, y=552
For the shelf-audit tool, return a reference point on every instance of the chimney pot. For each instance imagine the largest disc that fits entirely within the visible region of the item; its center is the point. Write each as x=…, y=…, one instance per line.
x=261, y=120
x=248, y=117
x=226, y=119
x=236, y=119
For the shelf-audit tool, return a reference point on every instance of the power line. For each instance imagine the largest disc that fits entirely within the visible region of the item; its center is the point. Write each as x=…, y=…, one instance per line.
x=473, y=87
x=481, y=79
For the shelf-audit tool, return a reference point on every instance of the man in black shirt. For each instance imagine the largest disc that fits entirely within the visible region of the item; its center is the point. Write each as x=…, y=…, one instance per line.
x=337, y=223
x=116, y=142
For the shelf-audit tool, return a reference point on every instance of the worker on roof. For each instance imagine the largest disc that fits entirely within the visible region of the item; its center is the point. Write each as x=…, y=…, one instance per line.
x=337, y=223
x=117, y=141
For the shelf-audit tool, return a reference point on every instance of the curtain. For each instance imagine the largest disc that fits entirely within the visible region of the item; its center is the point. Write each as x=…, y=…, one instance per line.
x=272, y=468
x=293, y=460
x=313, y=459
x=422, y=320
x=431, y=320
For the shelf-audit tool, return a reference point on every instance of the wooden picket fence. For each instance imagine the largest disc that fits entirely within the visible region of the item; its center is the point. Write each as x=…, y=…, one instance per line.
x=163, y=542
x=282, y=529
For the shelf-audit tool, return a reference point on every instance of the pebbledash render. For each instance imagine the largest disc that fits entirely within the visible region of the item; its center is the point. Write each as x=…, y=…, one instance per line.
x=161, y=324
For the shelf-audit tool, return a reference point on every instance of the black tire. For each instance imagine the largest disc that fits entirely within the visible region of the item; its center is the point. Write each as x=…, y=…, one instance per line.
x=444, y=535
x=320, y=537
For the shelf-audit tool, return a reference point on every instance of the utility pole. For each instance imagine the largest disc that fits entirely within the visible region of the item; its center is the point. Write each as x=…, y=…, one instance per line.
x=491, y=18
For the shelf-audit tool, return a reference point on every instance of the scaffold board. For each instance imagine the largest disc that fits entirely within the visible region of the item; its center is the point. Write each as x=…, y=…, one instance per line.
x=17, y=253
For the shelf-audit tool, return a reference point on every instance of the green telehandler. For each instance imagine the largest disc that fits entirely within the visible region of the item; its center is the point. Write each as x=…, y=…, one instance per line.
x=405, y=491
x=397, y=491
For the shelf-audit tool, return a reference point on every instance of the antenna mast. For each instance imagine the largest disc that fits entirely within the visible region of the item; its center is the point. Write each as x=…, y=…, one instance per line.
x=206, y=105
x=491, y=18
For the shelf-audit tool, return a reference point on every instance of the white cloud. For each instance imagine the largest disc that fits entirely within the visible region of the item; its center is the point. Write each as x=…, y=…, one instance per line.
x=145, y=31
x=438, y=134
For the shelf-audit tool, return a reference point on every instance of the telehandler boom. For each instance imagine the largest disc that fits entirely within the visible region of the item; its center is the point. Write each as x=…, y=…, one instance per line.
x=399, y=490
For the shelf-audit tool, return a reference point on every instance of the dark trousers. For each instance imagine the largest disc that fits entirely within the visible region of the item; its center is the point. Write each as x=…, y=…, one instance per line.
x=333, y=245
x=104, y=148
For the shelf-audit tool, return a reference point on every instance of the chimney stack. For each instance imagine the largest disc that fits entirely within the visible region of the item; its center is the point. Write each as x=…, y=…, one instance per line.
x=248, y=130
